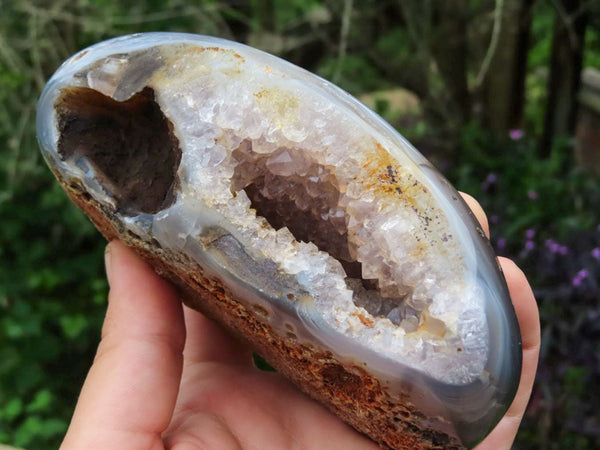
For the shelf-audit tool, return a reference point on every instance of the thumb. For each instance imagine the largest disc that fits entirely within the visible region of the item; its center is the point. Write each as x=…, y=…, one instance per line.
x=129, y=394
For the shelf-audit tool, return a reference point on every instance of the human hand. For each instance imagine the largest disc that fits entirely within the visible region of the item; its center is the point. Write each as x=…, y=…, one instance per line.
x=165, y=376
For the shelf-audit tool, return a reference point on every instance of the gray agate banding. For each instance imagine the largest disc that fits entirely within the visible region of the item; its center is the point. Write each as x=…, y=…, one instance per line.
x=301, y=200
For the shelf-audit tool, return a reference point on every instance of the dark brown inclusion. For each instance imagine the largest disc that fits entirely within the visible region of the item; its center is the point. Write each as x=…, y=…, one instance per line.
x=130, y=145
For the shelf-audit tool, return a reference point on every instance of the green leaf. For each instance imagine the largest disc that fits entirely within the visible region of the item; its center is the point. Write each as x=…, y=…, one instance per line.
x=35, y=427
x=12, y=409
x=41, y=401
x=73, y=325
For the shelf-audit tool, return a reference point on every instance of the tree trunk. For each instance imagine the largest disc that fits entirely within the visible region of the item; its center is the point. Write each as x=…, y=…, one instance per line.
x=449, y=50
x=504, y=86
x=565, y=72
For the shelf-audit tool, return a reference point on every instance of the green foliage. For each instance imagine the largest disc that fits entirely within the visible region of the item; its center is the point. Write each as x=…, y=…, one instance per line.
x=280, y=15
x=52, y=287
x=528, y=190
x=353, y=73
x=592, y=45
x=541, y=35
x=48, y=322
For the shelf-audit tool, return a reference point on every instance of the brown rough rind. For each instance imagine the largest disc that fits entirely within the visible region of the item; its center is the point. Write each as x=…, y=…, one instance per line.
x=349, y=391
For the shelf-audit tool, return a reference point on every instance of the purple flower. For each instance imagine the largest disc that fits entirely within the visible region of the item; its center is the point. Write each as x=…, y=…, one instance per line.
x=501, y=244
x=555, y=247
x=596, y=253
x=494, y=218
x=530, y=234
x=532, y=195
x=515, y=134
x=579, y=277
x=489, y=181
x=529, y=245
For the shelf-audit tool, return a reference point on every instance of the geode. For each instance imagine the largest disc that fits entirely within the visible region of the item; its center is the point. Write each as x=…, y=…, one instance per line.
x=295, y=216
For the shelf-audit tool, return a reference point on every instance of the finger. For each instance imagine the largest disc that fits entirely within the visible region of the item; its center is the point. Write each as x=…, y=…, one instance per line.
x=208, y=341
x=130, y=391
x=478, y=212
x=529, y=322
x=524, y=303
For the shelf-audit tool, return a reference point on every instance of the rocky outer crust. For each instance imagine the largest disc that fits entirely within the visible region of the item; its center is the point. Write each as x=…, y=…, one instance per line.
x=347, y=390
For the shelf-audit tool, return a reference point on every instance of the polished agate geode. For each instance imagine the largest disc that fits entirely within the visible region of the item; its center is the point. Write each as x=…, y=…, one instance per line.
x=299, y=199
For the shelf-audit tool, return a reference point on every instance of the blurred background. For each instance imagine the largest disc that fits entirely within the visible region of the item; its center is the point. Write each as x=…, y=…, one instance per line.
x=503, y=96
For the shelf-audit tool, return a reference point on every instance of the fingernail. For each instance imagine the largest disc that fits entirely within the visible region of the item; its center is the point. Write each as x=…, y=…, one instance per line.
x=107, y=262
